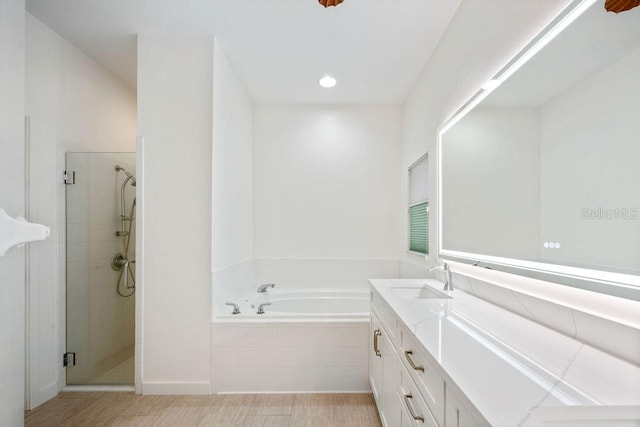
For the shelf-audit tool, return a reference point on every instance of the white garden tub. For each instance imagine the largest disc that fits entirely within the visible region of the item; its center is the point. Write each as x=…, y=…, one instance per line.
x=307, y=304
x=311, y=340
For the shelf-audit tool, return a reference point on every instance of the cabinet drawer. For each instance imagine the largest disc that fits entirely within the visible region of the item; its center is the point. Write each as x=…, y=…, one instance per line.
x=415, y=411
x=421, y=367
x=388, y=317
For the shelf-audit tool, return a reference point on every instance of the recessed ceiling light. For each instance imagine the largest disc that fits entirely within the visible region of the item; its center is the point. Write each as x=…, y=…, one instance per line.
x=327, y=81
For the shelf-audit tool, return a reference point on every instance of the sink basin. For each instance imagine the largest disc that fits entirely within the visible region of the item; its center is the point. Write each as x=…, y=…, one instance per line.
x=419, y=292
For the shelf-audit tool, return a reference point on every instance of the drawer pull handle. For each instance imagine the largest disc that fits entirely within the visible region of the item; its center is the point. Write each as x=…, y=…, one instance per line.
x=407, y=355
x=376, y=334
x=407, y=397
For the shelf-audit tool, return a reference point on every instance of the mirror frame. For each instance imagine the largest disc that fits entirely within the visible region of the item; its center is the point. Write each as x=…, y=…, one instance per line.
x=611, y=283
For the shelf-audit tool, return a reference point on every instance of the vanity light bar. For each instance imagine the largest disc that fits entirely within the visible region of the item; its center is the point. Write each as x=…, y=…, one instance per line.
x=562, y=21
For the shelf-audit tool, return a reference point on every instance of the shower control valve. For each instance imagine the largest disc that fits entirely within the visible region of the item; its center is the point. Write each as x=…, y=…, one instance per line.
x=118, y=261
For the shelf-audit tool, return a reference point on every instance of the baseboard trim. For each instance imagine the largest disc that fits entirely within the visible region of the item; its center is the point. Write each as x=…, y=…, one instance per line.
x=168, y=388
x=367, y=391
x=100, y=388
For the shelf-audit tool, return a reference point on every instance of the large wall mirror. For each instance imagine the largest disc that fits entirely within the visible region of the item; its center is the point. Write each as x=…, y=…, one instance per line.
x=539, y=173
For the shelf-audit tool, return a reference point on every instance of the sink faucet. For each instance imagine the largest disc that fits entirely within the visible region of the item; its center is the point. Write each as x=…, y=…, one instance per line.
x=263, y=288
x=448, y=281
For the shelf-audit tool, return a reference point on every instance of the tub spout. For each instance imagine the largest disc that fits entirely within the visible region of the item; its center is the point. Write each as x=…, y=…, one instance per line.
x=263, y=288
x=261, y=307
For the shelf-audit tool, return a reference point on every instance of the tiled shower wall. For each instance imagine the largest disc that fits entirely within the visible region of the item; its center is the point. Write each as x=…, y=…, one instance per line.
x=100, y=323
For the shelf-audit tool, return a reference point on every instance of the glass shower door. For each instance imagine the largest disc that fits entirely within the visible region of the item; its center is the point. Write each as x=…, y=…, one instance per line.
x=100, y=257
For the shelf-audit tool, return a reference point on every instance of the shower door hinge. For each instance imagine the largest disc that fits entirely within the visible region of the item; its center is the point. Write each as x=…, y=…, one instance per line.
x=69, y=177
x=68, y=359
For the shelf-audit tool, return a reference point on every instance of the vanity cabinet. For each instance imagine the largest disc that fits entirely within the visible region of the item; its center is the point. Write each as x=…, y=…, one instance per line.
x=415, y=409
x=384, y=374
x=406, y=381
x=422, y=368
x=460, y=413
x=399, y=401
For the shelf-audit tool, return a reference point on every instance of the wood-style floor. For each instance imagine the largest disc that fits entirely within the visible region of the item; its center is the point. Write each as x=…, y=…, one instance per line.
x=273, y=410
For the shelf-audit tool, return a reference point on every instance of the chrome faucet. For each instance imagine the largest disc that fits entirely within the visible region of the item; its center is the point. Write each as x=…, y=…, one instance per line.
x=263, y=288
x=236, y=309
x=261, y=307
x=448, y=281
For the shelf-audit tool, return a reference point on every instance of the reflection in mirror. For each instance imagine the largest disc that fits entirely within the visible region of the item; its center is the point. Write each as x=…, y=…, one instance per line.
x=546, y=169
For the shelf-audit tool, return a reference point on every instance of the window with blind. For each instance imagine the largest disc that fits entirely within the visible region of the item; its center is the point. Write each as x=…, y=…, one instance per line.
x=419, y=228
x=419, y=206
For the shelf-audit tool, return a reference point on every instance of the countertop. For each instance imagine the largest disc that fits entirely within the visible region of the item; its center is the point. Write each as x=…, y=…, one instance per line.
x=517, y=372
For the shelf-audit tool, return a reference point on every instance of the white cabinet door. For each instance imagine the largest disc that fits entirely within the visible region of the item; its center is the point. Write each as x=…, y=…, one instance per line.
x=391, y=406
x=384, y=374
x=375, y=361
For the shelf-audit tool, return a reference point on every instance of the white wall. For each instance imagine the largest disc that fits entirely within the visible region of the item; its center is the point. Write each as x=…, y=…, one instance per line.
x=232, y=180
x=325, y=185
x=74, y=104
x=603, y=136
x=484, y=212
x=175, y=87
x=480, y=39
x=12, y=192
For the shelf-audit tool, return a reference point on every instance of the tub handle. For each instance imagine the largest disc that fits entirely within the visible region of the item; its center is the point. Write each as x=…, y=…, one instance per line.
x=236, y=309
x=261, y=307
x=376, y=334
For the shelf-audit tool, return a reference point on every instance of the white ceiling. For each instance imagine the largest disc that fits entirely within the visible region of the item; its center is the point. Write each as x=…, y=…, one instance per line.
x=279, y=48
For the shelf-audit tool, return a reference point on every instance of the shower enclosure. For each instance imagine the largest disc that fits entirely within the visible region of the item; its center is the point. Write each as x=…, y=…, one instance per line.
x=100, y=267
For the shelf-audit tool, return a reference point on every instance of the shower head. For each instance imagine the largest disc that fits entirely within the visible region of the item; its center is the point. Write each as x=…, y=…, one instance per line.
x=119, y=168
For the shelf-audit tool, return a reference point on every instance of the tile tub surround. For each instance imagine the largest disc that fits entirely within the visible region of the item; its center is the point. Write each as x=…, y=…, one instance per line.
x=290, y=356
x=516, y=371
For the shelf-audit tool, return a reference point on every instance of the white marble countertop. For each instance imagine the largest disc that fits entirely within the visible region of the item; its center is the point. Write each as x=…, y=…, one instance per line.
x=517, y=372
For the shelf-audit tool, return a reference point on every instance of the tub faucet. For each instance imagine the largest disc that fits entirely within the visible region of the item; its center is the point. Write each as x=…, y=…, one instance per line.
x=261, y=307
x=448, y=281
x=263, y=288
x=236, y=309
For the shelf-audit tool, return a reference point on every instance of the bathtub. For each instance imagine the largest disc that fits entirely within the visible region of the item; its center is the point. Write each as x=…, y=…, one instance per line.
x=307, y=304
x=310, y=340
